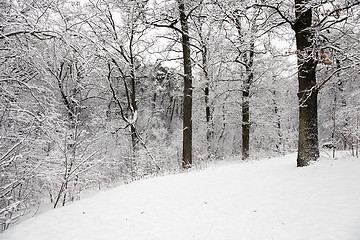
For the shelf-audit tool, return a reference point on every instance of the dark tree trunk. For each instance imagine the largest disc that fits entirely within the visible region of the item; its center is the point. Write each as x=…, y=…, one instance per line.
x=308, y=145
x=208, y=112
x=187, y=105
x=209, y=125
x=132, y=104
x=247, y=61
x=133, y=110
x=245, y=108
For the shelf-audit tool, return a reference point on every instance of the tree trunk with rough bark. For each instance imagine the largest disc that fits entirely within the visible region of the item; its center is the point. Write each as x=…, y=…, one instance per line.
x=187, y=105
x=308, y=145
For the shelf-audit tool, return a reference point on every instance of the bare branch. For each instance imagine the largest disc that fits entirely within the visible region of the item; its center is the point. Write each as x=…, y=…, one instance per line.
x=321, y=85
x=277, y=9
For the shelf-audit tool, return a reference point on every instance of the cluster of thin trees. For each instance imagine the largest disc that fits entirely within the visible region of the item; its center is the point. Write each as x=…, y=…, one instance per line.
x=98, y=92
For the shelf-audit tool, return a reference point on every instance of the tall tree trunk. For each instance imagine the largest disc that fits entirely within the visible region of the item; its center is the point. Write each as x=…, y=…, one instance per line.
x=133, y=110
x=133, y=106
x=308, y=145
x=247, y=61
x=208, y=112
x=209, y=124
x=187, y=105
x=278, y=144
x=245, y=108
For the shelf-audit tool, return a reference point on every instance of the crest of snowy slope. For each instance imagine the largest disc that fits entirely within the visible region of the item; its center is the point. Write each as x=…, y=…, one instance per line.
x=265, y=199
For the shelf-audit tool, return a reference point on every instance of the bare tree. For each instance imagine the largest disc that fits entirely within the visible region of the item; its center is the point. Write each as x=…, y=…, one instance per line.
x=187, y=108
x=121, y=29
x=308, y=25
x=185, y=9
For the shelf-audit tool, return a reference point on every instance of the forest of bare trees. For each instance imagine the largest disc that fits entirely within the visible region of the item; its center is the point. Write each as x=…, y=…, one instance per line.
x=100, y=92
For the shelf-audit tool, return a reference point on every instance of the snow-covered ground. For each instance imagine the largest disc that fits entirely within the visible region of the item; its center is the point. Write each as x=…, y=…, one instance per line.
x=265, y=199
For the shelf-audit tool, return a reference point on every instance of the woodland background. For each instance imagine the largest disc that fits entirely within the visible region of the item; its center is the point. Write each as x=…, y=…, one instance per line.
x=92, y=91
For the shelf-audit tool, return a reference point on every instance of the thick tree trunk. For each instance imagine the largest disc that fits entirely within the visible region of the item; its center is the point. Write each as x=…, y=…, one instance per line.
x=187, y=105
x=308, y=145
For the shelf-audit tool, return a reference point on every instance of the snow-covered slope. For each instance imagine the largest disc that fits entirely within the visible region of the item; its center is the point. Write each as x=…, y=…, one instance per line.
x=265, y=199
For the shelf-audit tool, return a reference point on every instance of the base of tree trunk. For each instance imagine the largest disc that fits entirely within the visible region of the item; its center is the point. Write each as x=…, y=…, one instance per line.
x=305, y=159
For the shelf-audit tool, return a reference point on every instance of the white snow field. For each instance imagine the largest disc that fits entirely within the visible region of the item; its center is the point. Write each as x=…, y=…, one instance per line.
x=264, y=199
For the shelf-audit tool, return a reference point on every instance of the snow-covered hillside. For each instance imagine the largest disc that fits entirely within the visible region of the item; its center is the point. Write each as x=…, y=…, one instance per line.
x=265, y=199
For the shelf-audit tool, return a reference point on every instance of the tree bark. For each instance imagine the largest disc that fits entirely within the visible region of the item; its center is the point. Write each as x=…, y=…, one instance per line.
x=187, y=104
x=247, y=61
x=133, y=108
x=245, y=108
x=308, y=145
x=209, y=124
x=208, y=112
